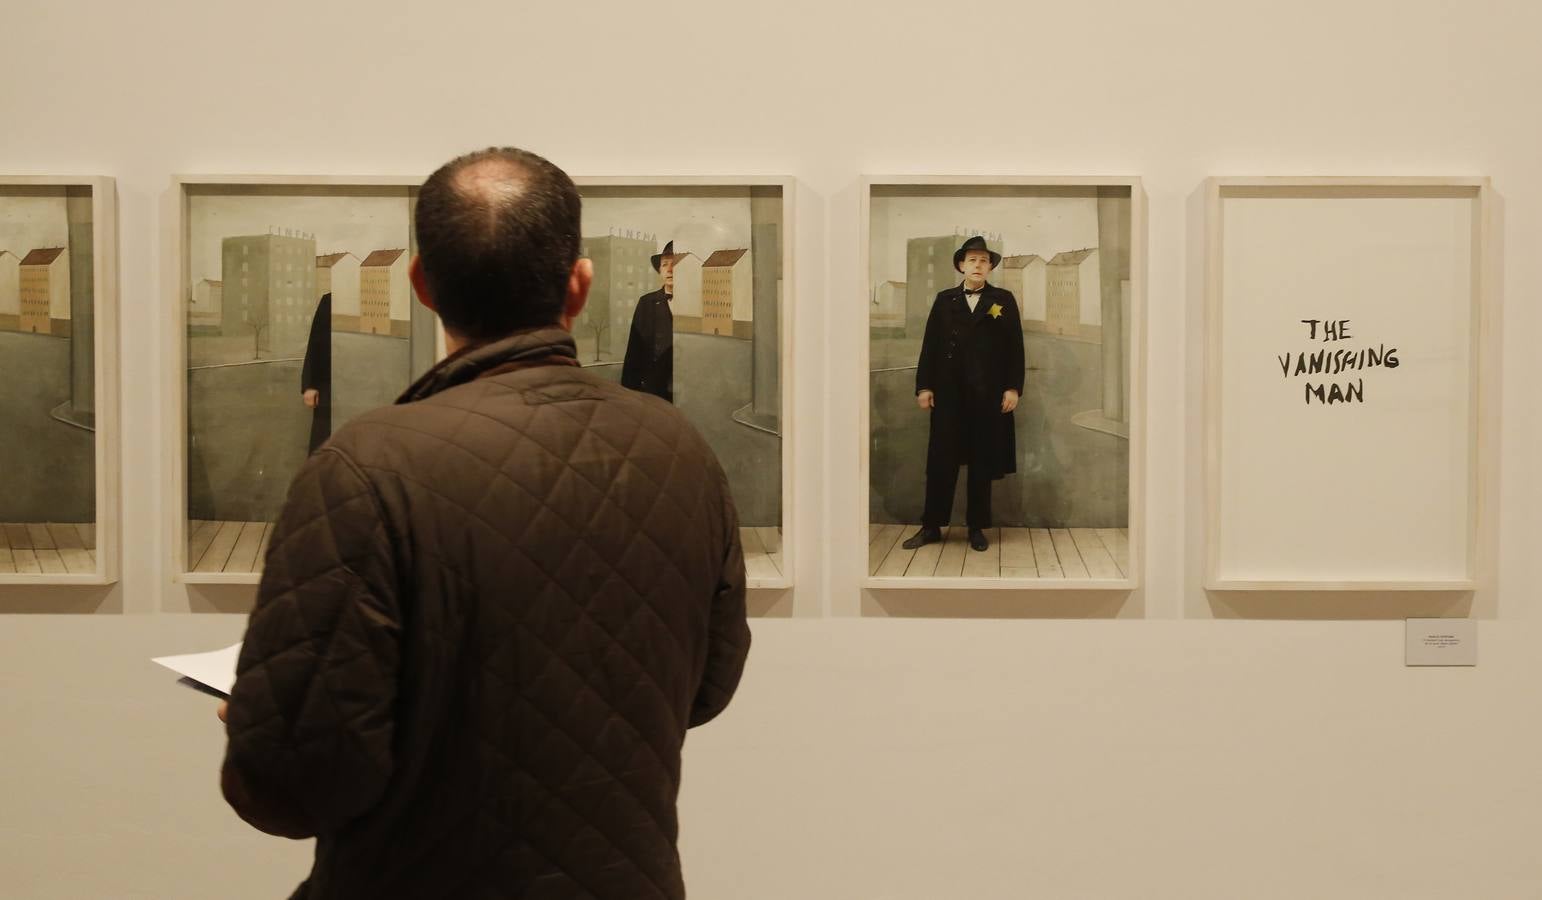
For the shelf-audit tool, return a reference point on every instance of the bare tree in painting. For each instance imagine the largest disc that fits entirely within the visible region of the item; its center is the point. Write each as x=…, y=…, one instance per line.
x=257, y=330
x=598, y=326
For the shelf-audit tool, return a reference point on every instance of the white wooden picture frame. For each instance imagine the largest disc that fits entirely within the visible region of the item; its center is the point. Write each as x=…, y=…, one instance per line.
x=1298, y=496
x=1095, y=559
x=242, y=544
x=769, y=551
x=51, y=553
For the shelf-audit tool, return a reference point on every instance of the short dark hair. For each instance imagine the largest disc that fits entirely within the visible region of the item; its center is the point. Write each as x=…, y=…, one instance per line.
x=498, y=234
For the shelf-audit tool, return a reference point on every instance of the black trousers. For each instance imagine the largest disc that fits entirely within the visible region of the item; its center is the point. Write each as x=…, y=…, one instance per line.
x=942, y=480
x=321, y=425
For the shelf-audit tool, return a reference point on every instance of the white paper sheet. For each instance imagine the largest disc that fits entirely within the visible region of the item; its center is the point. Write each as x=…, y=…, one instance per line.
x=215, y=669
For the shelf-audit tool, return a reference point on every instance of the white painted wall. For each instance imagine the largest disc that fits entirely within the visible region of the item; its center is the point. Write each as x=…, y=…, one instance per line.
x=1174, y=753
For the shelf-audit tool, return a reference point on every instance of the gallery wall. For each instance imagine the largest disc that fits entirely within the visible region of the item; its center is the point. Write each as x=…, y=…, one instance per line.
x=1166, y=743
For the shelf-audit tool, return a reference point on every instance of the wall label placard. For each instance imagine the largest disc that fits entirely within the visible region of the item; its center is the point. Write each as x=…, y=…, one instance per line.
x=1441, y=642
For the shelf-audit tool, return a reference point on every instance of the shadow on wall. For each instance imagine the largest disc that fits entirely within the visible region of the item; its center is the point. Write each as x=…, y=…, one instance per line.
x=1067, y=476
x=47, y=467
x=712, y=381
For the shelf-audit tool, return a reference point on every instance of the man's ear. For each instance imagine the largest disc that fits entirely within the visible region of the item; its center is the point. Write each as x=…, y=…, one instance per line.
x=579, y=282
x=420, y=284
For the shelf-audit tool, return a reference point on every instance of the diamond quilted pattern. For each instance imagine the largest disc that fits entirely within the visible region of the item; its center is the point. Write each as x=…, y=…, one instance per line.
x=488, y=617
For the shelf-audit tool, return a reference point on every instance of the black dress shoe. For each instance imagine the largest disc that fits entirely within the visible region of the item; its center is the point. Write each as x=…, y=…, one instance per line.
x=977, y=540
x=922, y=538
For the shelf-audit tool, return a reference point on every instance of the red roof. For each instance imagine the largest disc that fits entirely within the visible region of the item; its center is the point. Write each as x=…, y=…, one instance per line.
x=328, y=260
x=723, y=258
x=42, y=256
x=382, y=257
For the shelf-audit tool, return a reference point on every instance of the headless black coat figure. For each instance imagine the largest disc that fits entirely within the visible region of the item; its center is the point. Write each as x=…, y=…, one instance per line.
x=316, y=373
x=969, y=360
x=649, y=364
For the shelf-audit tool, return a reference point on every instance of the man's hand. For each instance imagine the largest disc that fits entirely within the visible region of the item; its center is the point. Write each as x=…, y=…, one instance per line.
x=1008, y=401
x=223, y=710
x=925, y=400
x=311, y=397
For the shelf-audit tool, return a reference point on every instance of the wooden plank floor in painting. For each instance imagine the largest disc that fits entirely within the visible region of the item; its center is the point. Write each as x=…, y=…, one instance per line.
x=1070, y=553
x=241, y=546
x=52, y=548
x=229, y=547
x=762, y=552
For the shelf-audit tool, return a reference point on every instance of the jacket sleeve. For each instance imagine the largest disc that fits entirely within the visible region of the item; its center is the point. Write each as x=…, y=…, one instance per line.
x=310, y=722
x=926, y=366
x=728, y=630
x=1015, y=364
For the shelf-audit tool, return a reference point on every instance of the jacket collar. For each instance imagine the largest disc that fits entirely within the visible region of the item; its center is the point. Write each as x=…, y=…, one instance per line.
x=530, y=346
x=980, y=308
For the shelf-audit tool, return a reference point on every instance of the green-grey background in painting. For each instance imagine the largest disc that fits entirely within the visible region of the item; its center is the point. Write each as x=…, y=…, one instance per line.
x=1072, y=421
x=727, y=384
x=47, y=380
x=248, y=429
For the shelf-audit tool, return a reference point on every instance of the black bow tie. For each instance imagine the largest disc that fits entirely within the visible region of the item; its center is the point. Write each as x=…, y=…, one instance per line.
x=968, y=292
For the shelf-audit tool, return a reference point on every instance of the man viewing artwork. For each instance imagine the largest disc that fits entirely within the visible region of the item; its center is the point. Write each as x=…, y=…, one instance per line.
x=490, y=612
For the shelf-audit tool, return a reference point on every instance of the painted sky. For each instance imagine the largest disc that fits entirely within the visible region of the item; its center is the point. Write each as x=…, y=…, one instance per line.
x=354, y=224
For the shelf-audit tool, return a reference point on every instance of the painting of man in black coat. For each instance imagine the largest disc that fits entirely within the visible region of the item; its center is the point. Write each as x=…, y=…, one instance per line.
x=316, y=373
x=969, y=377
x=649, y=364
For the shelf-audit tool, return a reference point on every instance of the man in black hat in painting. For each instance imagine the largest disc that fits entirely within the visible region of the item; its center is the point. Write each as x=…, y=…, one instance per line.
x=970, y=377
x=649, y=365
x=316, y=373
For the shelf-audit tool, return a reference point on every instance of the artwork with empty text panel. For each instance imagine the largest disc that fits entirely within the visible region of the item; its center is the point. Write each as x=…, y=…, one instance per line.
x=1343, y=383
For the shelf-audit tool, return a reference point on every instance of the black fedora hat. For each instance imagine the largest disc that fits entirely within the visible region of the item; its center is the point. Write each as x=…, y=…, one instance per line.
x=669, y=250
x=975, y=243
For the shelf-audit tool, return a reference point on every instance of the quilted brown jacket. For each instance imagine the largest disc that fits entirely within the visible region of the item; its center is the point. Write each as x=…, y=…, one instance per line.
x=487, y=618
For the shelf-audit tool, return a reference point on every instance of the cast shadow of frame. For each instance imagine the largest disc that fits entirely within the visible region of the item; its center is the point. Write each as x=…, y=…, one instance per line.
x=61, y=599
x=971, y=603
x=239, y=599
x=769, y=603
x=236, y=599
x=1340, y=605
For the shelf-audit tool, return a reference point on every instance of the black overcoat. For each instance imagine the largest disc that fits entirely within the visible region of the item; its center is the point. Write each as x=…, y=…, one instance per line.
x=968, y=360
x=649, y=364
x=316, y=371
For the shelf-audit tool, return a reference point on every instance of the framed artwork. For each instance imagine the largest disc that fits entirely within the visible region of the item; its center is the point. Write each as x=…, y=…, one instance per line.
x=689, y=303
x=291, y=313
x=1349, y=385
x=1004, y=417
x=58, y=381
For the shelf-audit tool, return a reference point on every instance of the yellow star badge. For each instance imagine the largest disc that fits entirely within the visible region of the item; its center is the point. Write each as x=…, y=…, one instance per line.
x=995, y=311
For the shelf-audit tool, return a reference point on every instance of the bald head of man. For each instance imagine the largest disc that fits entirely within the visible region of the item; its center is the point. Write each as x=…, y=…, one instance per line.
x=498, y=246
